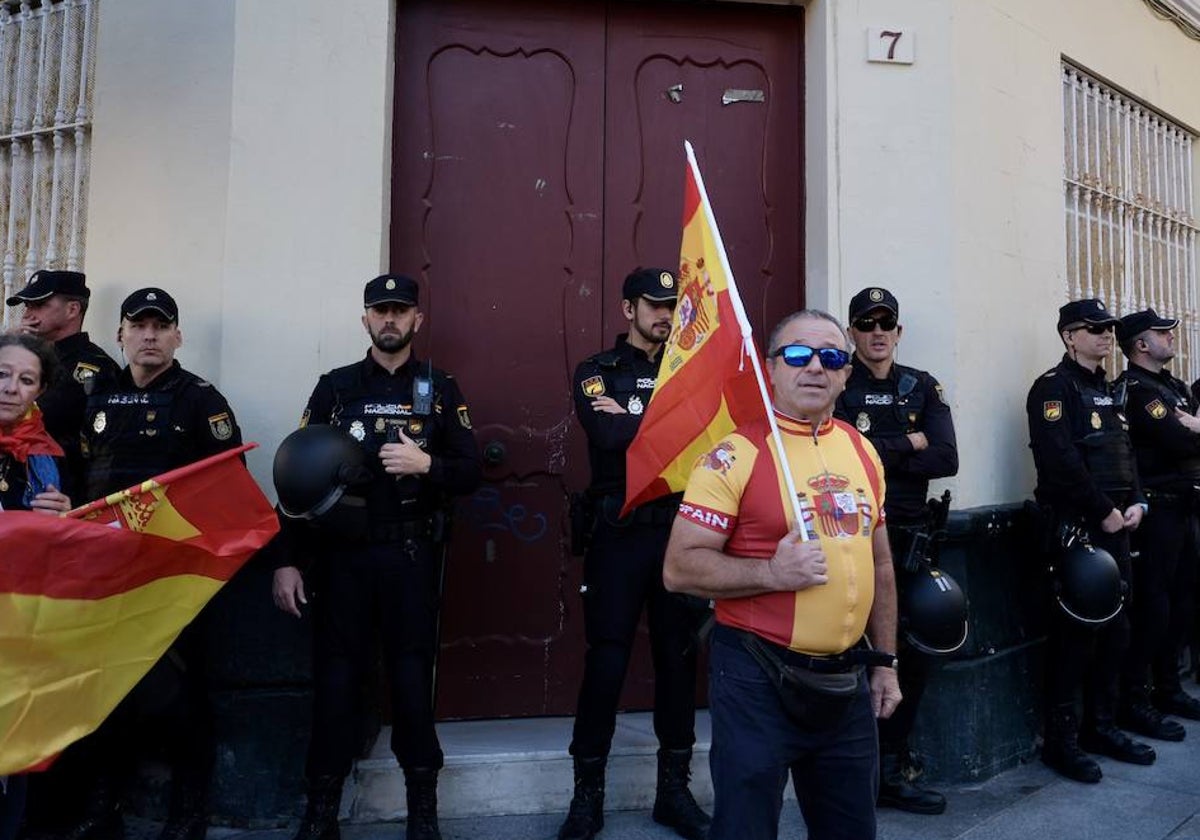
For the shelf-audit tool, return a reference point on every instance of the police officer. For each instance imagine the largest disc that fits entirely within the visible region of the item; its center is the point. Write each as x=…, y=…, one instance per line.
x=155, y=417
x=55, y=305
x=1166, y=441
x=623, y=572
x=1086, y=477
x=902, y=412
x=413, y=424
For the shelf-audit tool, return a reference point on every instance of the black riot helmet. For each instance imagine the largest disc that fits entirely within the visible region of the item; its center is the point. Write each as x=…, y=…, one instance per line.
x=933, y=610
x=314, y=468
x=1087, y=583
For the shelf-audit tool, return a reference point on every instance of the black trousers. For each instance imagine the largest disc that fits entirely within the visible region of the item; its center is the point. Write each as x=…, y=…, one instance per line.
x=388, y=590
x=622, y=574
x=1087, y=658
x=1161, y=605
x=895, y=731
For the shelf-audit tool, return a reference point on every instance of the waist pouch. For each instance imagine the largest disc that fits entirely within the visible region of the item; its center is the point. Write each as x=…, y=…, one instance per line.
x=813, y=701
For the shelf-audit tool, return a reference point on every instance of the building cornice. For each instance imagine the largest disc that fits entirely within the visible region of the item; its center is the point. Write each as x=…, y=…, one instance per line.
x=1183, y=13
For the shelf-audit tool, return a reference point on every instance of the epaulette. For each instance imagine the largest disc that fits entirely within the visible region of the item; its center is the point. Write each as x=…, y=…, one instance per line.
x=907, y=383
x=607, y=360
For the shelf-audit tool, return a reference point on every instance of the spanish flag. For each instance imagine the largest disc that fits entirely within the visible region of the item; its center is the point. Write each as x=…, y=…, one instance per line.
x=707, y=384
x=90, y=601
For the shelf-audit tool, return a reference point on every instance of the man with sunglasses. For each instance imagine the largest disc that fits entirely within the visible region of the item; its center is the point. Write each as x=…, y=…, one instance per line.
x=1086, y=477
x=622, y=573
x=789, y=688
x=1166, y=442
x=901, y=411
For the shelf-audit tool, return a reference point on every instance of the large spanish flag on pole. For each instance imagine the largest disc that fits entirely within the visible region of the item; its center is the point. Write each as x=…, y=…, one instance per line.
x=707, y=382
x=90, y=601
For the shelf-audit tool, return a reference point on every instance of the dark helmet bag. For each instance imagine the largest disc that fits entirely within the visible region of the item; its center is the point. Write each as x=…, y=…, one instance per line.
x=315, y=469
x=1087, y=583
x=933, y=611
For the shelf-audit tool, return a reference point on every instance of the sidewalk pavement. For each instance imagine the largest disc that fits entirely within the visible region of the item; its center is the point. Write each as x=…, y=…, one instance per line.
x=1160, y=802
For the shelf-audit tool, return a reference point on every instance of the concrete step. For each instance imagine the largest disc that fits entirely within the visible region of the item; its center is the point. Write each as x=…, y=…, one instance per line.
x=503, y=767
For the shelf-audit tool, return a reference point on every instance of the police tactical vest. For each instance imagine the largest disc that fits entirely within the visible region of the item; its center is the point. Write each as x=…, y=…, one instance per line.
x=1165, y=471
x=1101, y=433
x=128, y=436
x=890, y=408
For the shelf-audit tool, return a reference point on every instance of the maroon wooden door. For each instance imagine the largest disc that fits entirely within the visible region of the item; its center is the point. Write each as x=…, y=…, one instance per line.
x=521, y=200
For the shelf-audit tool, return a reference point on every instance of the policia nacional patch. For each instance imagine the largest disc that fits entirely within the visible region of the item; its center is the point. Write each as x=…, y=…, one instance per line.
x=593, y=386
x=220, y=426
x=84, y=372
x=464, y=419
x=1157, y=410
x=1052, y=410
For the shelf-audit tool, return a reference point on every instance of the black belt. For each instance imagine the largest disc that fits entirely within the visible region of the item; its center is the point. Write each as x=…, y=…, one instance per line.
x=386, y=532
x=838, y=663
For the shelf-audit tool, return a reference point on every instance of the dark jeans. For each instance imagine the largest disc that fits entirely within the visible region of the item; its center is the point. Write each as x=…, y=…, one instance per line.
x=754, y=744
x=914, y=670
x=1162, y=593
x=1088, y=657
x=390, y=590
x=623, y=572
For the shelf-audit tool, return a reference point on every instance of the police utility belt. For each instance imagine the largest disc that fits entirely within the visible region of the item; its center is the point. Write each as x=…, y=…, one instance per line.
x=389, y=532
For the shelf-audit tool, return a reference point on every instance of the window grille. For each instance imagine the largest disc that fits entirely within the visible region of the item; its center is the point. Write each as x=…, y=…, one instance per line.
x=47, y=54
x=1131, y=234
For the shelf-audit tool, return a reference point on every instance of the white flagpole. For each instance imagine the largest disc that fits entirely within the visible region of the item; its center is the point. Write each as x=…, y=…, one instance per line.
x=748, y=346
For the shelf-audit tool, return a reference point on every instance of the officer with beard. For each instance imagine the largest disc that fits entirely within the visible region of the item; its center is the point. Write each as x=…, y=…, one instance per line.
x=622, y=573
x=413, y=423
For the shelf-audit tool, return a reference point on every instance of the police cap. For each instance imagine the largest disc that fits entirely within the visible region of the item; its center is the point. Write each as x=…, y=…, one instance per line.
x=656, y=284
x=873, y=298
x=1085, y=311
x=1136, y=323
x=150, y=300
x=49, y=282
x=390, y=288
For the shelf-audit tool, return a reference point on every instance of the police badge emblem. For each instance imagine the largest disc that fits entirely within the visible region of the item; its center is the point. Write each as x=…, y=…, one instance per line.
x=635, y=405
x=464, y=419
x=1157, y=410
x=380, y=425
x=1052, y=410
x=220, y=426
x=876, y=295
x=358, y=431
x=593, y=386
x=84, y=372
x=99, y=422
x=415, y=425
x=666, y=280
x=863, y=422
x=1096, y=421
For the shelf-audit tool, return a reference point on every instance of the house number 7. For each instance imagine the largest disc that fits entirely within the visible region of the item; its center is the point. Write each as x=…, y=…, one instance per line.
x=893, y=45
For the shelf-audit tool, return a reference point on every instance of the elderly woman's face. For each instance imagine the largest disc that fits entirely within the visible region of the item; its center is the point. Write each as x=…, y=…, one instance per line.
x=20, y=383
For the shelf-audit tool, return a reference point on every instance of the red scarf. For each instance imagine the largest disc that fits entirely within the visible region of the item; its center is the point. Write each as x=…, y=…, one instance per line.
x=29, y=437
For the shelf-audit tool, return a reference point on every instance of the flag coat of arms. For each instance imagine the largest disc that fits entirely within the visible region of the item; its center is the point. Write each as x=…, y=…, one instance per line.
x=90, y=601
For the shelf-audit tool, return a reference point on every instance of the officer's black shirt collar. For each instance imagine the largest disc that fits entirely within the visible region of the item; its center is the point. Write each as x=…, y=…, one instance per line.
x=72, y=344
x=625, y=348
x=158, y=383
x=1164, y=374
x=1097, y=373
x=860, y=367
x=370, y=367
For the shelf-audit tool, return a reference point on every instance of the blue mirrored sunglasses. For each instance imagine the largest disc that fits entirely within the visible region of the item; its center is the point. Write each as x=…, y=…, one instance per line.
x=799, y=355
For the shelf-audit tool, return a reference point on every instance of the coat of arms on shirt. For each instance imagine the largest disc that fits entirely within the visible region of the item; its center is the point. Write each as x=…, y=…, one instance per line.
x=719, y=459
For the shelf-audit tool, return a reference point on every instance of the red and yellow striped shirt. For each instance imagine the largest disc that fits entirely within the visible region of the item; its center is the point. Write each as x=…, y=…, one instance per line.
x=738, y=490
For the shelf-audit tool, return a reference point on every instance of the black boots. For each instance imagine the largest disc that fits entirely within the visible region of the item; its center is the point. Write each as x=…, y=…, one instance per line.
x=1178, y=703
x=586, y=815
x=897, y=791
x=1060, y=750
x=674, y=805
x=188, y=817
x=1106, y=739
x=101, y=815
x=321, y=815
x=1138, y=716
x=420, y=784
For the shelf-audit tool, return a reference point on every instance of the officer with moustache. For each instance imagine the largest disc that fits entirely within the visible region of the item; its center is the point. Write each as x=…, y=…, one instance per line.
x=622, y=573
x=902, y=412
x=155, y=417
x=1166, y=441
x=413, y=424
x=55, y=303
x=1086, y=477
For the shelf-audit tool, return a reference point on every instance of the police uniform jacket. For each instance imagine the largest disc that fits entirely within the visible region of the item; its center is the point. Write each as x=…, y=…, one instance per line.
x=886, y=411
x=1168, y=454
x=85, y=369
x=370, y=404
x=1080, y=442
x=627, y=375
x=131, y=434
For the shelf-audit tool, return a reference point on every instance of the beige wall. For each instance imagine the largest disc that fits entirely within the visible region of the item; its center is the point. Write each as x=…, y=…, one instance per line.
x=948, y=188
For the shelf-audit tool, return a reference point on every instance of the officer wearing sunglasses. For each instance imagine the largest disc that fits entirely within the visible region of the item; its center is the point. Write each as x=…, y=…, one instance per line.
x=902, y=412
x=1086, y=477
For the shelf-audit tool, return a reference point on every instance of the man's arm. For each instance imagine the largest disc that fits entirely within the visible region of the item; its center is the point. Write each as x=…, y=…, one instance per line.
x=608, y=426
x=881, y=626
x=696, y=564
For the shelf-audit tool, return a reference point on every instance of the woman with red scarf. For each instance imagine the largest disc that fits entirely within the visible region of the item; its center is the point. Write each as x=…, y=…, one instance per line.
x=29, y=477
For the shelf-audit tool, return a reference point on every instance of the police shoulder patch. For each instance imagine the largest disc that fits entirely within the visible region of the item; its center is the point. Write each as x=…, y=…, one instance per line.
x=220, y=426
x=464, y=418
x=1052, y=410
x=1157, y=409
x=593, y=386
x=84, y=372
x=304, y=418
